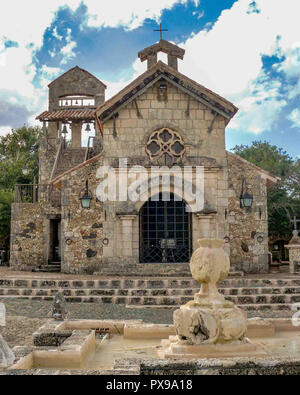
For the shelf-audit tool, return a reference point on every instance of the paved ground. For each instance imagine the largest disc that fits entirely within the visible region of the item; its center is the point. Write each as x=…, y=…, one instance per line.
x=7, y=273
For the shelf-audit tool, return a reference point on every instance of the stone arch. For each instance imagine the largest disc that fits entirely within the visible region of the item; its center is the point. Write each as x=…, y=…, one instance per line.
x=174, y=189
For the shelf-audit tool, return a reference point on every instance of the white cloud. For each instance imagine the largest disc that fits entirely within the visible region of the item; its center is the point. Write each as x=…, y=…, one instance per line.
x=4, y=130
x=114, y=87
x=129, y=13
x=68, y=50
x=294, y=117
x=228, y=58
x=25, y=22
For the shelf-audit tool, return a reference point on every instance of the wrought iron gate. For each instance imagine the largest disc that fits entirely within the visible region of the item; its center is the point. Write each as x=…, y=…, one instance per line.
x=165, y=232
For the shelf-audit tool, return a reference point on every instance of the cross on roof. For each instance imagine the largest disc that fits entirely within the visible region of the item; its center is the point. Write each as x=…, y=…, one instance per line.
x=295, y=221
x=161, y=30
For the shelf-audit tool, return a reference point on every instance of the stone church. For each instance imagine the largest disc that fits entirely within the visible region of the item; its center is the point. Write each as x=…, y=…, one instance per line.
x=161, y=118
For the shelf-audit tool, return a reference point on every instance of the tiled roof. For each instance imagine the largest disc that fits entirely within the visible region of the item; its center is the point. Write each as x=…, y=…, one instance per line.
x=160, y=69
x=68, y=115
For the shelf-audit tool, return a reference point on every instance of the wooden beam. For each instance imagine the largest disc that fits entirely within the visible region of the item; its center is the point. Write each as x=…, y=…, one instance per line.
x=200, y=99
x=138, y=113
x=212, y=122
x=187, y=112
x=139, y=93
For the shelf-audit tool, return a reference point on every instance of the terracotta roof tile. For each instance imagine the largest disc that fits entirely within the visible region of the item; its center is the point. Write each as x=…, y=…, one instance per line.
x=67, y=115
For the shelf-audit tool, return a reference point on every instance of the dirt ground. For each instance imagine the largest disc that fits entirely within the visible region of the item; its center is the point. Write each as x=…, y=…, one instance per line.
x=19, y=330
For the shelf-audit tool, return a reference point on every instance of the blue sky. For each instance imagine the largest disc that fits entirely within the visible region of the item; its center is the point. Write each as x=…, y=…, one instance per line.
x=247, y=51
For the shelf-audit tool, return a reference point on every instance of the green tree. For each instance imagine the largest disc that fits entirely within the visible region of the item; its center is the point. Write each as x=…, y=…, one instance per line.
x=18, y=152
x=6, y=199
x=284, y=197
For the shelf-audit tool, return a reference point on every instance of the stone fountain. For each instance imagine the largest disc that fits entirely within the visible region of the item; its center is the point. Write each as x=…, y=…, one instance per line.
x=209, y=325
x=6, y=355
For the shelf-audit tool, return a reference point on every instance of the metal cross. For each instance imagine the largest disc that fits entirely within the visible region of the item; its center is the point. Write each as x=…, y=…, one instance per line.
x=295, y=221
x=161, y=30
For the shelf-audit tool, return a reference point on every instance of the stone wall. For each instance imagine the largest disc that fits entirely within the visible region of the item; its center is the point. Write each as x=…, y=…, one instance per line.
x=27, y=236
x=82, y=229
x=76, y=82
x=127, y=137
x=132, y=131
x=246, y=228
x=30, y=234
x=47, y=156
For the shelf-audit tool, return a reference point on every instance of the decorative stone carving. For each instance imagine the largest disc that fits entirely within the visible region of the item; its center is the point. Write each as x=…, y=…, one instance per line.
x=59, y=312
x=165, y=146
x=209, y=318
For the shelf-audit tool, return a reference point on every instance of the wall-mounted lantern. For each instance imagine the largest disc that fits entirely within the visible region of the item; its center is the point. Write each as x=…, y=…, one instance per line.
x=246, y=198
x=88, y=128
x=86, y=198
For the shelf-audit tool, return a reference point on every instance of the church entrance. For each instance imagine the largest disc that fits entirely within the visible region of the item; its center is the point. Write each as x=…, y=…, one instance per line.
x=165, y=231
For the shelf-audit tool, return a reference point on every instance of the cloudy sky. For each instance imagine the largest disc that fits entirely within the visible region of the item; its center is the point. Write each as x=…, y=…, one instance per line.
x=247, y=51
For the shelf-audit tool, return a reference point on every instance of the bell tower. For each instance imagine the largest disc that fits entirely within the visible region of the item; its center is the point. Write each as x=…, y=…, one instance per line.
x=173, y=51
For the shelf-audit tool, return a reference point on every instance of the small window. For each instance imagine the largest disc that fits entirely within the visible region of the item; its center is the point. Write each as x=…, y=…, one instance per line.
x=76, y=101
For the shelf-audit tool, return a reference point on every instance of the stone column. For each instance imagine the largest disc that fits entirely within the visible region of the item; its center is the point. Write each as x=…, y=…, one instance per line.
x=173, y=61
x=76, y=134
x=294, y=253
x=205, y=228
x=151, y=60
x=127, y=236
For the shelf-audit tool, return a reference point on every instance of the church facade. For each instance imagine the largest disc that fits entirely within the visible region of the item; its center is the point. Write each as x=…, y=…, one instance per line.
x=162, y=119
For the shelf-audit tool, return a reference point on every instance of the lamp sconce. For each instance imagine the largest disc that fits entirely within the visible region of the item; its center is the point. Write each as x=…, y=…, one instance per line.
x=86, y=199
x=246, y=199
x=260, y=239
x=227, y=239
x=105, y=241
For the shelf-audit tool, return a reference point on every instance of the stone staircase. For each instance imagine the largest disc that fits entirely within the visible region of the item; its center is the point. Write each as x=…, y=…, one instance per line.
x=248, y=293
x=68, y=159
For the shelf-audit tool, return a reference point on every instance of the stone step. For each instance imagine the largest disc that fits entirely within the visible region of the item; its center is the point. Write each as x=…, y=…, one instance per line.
x=70, y=158
x=52, y=268
x=150, y=283
x=160, y=300
x=151, y=292
x=250, y=307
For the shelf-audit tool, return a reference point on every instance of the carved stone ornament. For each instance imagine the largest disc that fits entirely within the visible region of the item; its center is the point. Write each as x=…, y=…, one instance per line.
x=165, y=147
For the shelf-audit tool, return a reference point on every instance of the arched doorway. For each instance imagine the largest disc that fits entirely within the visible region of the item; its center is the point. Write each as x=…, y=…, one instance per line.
x=165, y=231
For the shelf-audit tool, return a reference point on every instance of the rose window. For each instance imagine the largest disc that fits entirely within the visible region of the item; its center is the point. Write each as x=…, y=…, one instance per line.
x=165, y=147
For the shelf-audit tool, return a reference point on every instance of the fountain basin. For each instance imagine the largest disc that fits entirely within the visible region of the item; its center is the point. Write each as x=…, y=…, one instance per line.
x=82, y=348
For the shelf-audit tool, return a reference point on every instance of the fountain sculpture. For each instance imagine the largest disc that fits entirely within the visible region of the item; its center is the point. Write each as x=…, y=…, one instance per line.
x=209, y=325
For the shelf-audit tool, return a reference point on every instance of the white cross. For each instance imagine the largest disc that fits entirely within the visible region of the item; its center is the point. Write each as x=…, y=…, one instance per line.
x=295, y=221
